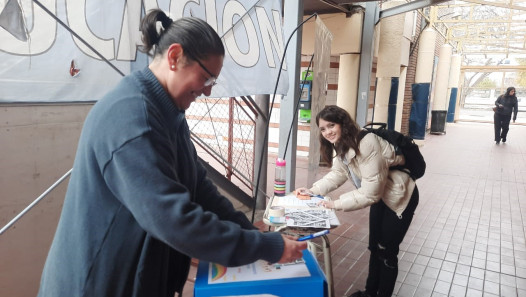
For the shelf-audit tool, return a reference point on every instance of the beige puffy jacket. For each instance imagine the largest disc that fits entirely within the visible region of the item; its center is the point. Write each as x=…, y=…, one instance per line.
x=394, y=187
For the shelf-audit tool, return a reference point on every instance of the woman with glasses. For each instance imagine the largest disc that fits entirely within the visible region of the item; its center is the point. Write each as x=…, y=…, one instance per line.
x=139, y=204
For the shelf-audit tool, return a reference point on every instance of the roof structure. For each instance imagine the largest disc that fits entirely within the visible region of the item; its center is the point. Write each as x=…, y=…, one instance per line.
x=493, y=29
x=488, y=34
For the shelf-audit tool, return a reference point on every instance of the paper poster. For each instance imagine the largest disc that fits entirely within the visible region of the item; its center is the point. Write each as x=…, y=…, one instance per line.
x=257, y=271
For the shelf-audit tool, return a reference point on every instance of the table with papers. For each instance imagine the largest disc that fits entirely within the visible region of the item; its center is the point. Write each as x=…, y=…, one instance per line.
x=305, y=216
x=301, y=213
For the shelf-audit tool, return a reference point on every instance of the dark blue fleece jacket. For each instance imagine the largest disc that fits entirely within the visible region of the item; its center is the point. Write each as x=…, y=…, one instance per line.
x=139, y=204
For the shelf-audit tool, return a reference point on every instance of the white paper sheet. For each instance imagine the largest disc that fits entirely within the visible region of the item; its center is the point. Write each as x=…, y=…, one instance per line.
x=291, y=201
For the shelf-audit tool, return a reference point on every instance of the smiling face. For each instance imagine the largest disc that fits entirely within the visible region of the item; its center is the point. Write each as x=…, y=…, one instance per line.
x=330, y=131
x=192, y=80
x=183, y=78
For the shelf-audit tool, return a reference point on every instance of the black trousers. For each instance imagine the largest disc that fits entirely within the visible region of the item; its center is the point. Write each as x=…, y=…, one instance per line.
x=502, y=125
x=386, y=232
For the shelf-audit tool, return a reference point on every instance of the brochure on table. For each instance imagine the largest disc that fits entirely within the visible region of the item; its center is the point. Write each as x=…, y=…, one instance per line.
x=302, y=278
x=305, y=213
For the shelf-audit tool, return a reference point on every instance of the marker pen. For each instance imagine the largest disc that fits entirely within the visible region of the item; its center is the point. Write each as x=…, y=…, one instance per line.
x=309, y=193
x=318, y=196
x=314, y=235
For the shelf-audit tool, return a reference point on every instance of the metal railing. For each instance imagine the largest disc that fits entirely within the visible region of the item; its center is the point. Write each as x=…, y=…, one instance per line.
x=35, y=202
x=225, y=129
x=228, y=140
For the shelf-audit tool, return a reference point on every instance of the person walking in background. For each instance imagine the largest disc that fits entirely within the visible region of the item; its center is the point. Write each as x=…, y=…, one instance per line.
x=391, y=194
x=139, y=204
x=506, y=105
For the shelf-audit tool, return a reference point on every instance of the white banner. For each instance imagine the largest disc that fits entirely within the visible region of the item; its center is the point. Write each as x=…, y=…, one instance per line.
x=54, y=66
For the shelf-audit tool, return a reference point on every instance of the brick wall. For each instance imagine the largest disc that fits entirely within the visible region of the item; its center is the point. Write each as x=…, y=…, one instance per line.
x=411, y=71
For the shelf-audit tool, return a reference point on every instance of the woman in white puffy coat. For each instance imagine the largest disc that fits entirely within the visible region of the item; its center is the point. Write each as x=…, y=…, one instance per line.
x=392, y=194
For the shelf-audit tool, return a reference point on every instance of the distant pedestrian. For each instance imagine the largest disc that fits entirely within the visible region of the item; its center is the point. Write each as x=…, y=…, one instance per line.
x=506, y=105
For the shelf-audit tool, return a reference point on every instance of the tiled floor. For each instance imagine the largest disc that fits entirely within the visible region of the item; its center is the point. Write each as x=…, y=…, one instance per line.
x=468, y=234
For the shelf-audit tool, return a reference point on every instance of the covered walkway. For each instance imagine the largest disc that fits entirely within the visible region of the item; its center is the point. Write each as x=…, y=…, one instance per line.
x=468, y=234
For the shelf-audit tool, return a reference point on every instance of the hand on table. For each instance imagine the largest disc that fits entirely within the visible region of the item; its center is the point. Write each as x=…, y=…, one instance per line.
x=326, y=204
x=303, y=191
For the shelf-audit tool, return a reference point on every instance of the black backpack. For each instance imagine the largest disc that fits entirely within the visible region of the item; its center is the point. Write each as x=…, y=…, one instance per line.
x=415, y=165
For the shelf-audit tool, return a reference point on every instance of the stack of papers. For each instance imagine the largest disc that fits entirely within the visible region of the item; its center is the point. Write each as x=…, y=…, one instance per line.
x=308, y=218
x=306, y=213
x=291, y=201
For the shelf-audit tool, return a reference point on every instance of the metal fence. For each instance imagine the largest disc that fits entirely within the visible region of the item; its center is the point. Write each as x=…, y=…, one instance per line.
x=223, y=130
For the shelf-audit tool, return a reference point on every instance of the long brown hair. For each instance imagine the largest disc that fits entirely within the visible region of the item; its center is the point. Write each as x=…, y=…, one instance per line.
x=509, y=90
x=349, y=133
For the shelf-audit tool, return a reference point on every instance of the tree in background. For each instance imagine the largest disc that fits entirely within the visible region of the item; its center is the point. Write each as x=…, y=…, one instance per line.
x=521, y=75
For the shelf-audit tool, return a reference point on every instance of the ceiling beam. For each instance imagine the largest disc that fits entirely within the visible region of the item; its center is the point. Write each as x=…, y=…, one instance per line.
x=335, y=5
x=494, y=68
x=461, y=21
x=413, y=5
x=492, y=52
x=486, y=40
x=497, y=4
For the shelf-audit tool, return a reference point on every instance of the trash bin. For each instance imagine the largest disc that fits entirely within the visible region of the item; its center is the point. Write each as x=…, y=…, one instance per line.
x=438, y=121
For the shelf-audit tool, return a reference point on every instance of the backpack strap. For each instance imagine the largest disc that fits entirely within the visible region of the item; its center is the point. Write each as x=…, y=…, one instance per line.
x=362, y=134
x=372, y=124
x=403, y=169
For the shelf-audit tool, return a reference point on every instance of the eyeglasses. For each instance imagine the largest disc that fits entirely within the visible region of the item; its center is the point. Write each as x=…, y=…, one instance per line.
x=211, y=81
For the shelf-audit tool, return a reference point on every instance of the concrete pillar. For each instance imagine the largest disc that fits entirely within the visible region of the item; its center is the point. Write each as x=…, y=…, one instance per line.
x=440, y=100
x=454, y=77
x=426, y=56
x=420, y=89
x=388, y=69
x=459, y=94
x=381, y=101
x=346, y=97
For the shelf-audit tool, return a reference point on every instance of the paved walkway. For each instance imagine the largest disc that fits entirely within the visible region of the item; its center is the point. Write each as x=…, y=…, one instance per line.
x=468, y=234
